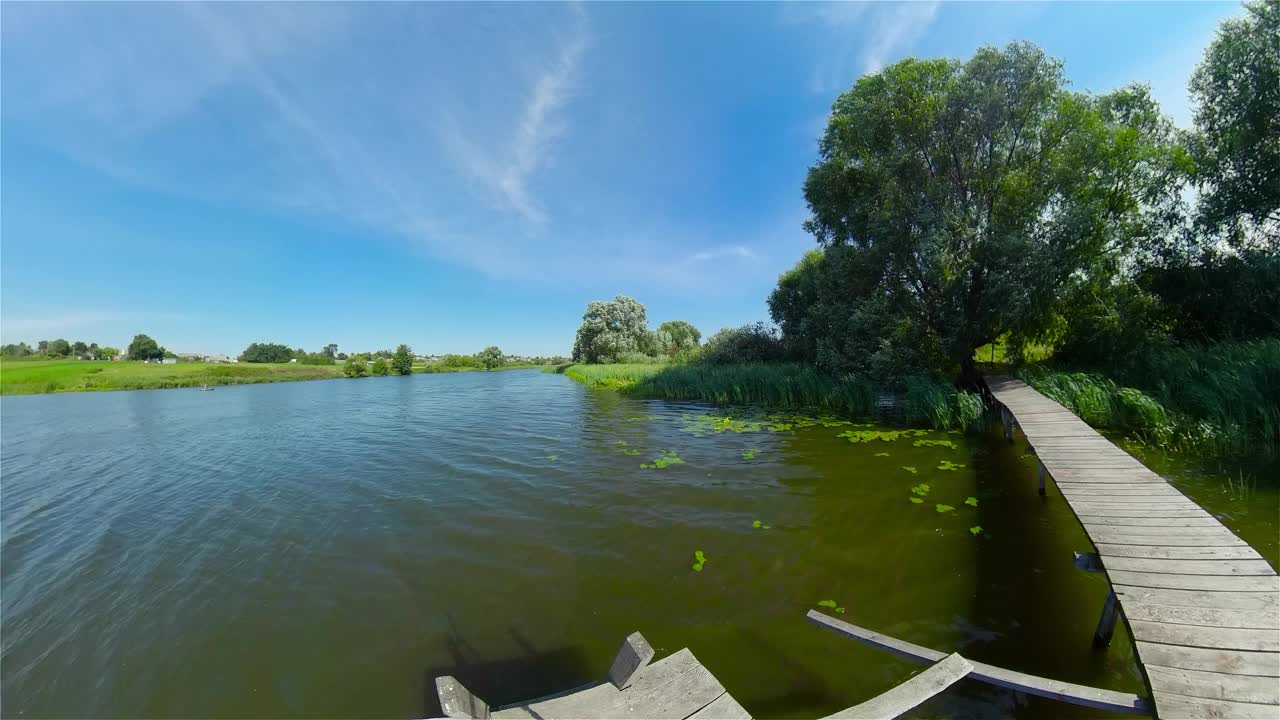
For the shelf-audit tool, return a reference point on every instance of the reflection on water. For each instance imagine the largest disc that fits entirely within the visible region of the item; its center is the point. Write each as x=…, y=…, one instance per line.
x=326, y=548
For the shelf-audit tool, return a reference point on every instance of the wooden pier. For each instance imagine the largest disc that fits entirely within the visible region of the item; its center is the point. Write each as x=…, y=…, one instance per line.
x=1202, y=606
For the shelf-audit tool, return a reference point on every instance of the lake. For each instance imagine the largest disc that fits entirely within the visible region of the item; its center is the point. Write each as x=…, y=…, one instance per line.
x=322, y=549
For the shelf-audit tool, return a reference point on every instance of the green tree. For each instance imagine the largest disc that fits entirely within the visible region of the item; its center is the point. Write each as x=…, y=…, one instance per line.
x=42, y=347
x=59, y=348
x=107, y=352
x=331, y=350
x=267, y=353
x=355, y=367
x=490, y=357
x=79, y=348
x=144, y=348
x=379, y=367
x=1235, y=92
x=610, y=329
x=402, y=360
x=967, y=194
x=676, y=336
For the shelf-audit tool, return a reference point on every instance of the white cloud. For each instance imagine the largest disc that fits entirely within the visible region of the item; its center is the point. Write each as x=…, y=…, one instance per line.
x=51, y=325
x=731, y=251
x=860, y=37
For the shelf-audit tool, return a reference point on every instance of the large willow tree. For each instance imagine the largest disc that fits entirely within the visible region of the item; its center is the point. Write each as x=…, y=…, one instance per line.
x=961, y=196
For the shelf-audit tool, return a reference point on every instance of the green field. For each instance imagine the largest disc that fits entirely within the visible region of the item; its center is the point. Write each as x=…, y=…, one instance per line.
x=46, y=376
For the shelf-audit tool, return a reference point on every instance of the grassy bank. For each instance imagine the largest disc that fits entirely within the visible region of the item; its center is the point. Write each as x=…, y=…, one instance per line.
x=46, y=376
x=1223, y=399
x=781, y=385
x=442, y=368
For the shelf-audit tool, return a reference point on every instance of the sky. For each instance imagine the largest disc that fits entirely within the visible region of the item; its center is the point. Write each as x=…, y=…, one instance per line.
x=453, y=176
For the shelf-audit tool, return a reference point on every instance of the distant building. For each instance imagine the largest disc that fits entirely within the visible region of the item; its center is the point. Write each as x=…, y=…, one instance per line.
x=169, y=361
x=218, y=358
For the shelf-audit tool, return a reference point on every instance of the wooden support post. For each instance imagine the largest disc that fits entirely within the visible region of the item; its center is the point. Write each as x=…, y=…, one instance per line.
x=1007, y=418
x=457, y=702
x=1040, y=469
x=1107, y=623
x=634, y=654
x=1088, y=562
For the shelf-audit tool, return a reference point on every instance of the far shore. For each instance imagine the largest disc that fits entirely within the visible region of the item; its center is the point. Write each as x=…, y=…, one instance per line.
x=35, y=377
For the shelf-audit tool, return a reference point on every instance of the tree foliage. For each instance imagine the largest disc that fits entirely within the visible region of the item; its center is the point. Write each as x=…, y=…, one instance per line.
x=144, y=348
x=964, y=195
x=265, y=353
x=610, y=329
x=355, y=367
x=1236, y=144
x=674, y=337
x=379, y=367
x=401, y=360
x=491, y=357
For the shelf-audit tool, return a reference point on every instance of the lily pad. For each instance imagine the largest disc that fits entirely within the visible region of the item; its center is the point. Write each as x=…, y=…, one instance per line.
x=882, y=454
x=944, y=508
x=934, y=443
x=750, y=453
x=699, y=556
x=756, y=524
x=910, y=469
x=840, y=610
x=971, y=501
x=916, y=500
x=697, y=567
x=922, y=489
x=828, y=604
x=553, y=458
x=976, y=530
x=948, y=465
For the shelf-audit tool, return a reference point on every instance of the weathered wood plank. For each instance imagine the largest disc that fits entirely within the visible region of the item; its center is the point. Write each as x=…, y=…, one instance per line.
x=1213, y=685
x=1189, y=567
x=1225, y=638
x=1106, y=510
x=1105, y=489
x=1225, y=540
x=1067, y=692
x=722, y=708
x=1260, y=602
x=1237, y=552
x=892, y=703
x=1218, y=583
x=1115, y=499
x=1237, y=662
x=1174, y=531
x=1173, y=706
x=1207, y=521
x=1204, y=616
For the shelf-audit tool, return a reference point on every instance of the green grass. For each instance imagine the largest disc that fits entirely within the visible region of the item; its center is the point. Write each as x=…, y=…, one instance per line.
x=1224, y=398
x=780, y=385
x=46, y=376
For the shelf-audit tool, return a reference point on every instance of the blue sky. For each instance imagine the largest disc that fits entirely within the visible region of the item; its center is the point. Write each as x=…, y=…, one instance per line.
x=449, y=175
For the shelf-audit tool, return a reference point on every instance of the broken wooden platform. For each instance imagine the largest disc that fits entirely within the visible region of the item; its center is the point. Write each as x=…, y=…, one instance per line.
x=1202, y=606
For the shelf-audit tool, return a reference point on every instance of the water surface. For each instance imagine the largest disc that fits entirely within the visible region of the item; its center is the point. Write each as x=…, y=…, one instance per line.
x=326, y=548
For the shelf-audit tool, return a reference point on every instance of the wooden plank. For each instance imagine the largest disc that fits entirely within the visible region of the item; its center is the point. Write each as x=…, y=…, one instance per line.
x=1236, y=662
x=1225, y=638
x=1215, y=686
x=673, y=688
x=1235, y=552
x=1103, y=521
x=722, y=708
x=1172, y=706
x=1118, y=499
x=1102, y=509
x=1144, y=488
x=1189, y=567
x=892, y=703
x=1067, y=692
x=1224, y=540
x=1168, y=532
x=1217, y=583
x=1207, y=617
x=1261, y=602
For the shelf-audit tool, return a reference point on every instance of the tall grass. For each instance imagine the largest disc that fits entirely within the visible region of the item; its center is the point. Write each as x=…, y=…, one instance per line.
x=1223, y=399
x=783, y=385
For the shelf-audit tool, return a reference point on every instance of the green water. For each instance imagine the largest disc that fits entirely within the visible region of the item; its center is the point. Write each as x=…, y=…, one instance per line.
x=325, y=549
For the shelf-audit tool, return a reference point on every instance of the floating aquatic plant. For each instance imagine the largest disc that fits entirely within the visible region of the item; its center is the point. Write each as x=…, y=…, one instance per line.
x=553, y=458
x=750, y=453
x=760, y=525
x=944, y=508
x=832, y=604
x=922, y=489
x=975, y=530
x=948, y=465
x=916, y=500
x=971, y=501
x=934, y=443
x=699, y=559
x=909, y=469
x=668, y=457
x=882, y=454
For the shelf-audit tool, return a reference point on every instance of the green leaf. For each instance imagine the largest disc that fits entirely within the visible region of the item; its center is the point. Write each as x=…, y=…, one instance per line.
x=828, y=604
x=882, y=454
x=756, y=524
x=944, y=508
x=976, y=530
x=916, y=500
x=909, y=469
x=971, y=501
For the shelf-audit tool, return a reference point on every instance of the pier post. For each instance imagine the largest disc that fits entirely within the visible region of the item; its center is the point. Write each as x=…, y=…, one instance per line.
x=1040, y=472
x=632, y=657
x=1007, y=418
x=1107, y=623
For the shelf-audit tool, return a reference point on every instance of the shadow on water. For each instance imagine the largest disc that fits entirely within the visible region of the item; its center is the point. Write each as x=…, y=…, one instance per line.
x=1027, y=587
x=529, y=674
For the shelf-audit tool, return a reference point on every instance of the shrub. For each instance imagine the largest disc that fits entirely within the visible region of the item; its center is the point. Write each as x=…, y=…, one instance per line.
x=355, y=367
x=379, y=367
x=752, y=343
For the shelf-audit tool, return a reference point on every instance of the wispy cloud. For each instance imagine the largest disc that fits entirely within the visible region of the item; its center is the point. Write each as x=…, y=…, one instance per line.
x=731, y=251
x=860, y=37
x=48, y=326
